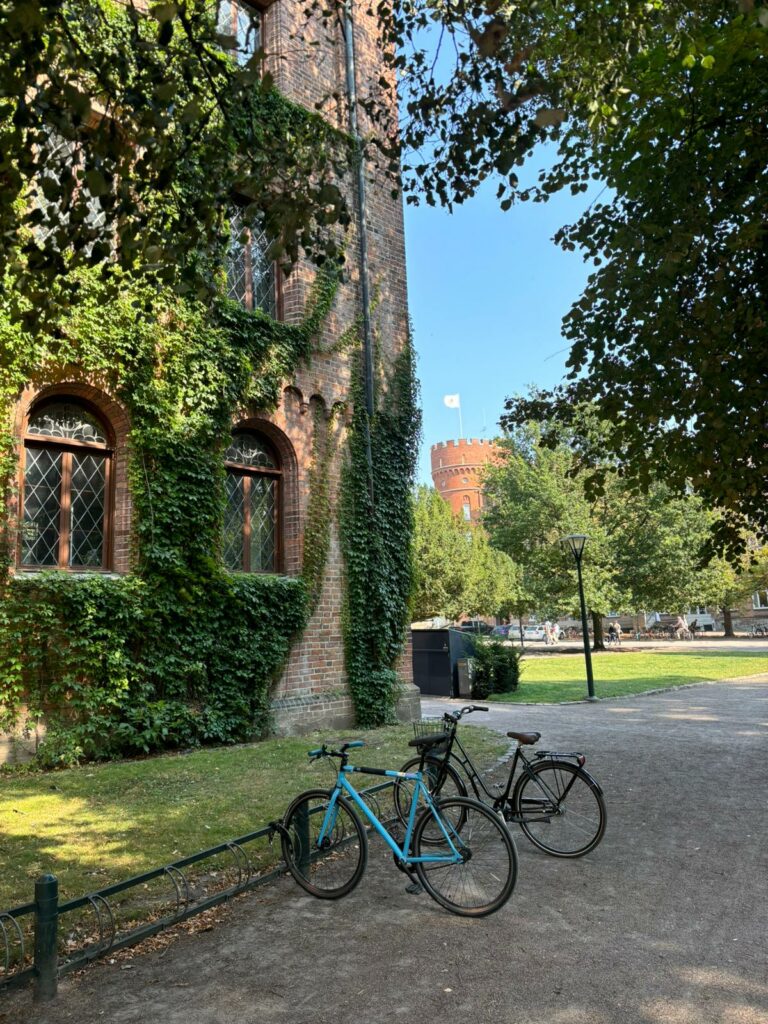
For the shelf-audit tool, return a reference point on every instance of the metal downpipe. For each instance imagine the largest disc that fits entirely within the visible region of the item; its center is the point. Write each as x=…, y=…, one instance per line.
x=362, y=219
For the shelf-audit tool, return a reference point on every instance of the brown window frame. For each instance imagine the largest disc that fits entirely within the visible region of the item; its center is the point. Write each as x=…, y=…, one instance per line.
x=248, y=473
x=67, y=447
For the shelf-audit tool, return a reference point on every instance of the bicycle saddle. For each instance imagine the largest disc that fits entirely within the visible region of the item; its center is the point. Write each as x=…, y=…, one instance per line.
x=524, y=738
x=428, y=741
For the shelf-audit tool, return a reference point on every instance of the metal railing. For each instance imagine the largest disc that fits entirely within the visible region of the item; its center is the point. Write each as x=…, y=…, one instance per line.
x=43, y=965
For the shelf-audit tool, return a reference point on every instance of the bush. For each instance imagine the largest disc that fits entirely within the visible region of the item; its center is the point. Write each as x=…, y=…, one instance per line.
x=496, y=667
x=119, y=667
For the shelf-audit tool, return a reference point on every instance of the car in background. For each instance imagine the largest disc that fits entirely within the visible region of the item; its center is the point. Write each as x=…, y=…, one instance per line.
x=475, y=626
x=534, y=632
x=504, y=632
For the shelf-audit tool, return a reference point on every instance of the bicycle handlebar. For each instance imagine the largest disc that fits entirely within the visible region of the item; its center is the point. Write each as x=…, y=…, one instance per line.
x=455, y=716
x=326, y=751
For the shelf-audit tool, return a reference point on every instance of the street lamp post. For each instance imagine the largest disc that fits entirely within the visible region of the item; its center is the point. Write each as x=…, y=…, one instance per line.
x=574, y=543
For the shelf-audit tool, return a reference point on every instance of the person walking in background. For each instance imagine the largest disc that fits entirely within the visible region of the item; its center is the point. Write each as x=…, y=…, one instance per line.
x=548, y=633
x=617, y=627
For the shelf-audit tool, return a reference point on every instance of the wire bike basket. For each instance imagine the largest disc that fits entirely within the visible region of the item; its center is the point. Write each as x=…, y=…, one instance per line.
x=432, y=727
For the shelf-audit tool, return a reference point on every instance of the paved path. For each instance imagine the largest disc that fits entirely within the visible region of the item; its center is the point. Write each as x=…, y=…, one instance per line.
x=665, y=923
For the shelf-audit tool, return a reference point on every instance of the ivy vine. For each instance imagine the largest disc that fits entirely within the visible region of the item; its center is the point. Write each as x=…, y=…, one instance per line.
x=376, y=519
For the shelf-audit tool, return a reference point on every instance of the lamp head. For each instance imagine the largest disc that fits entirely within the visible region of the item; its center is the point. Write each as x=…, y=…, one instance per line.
x=574, y=543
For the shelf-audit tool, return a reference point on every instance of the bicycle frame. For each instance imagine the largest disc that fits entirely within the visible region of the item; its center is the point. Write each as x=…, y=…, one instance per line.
x=499, y=800
x=343, y=785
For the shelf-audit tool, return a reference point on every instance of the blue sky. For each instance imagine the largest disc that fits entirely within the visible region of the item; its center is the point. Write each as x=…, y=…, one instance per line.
x=487, y=292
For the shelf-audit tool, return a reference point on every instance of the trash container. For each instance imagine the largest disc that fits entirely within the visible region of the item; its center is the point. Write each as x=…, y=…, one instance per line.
x=465, y=667
x=436, y=653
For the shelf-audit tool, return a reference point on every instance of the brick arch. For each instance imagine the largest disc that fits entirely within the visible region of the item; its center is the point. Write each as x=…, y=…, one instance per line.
x=114, y=416
x=290, y=514
x=112, y=413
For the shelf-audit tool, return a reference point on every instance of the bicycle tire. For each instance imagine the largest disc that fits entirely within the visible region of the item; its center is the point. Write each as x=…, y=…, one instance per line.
x=402, y=792
x=335, y=870
x=483, y=882
x=569, y=814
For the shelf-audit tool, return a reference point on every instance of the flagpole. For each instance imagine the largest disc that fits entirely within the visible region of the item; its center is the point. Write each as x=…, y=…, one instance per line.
x=461, y=428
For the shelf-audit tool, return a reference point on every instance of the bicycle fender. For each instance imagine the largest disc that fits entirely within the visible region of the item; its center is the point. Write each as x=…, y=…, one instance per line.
x=553, y=757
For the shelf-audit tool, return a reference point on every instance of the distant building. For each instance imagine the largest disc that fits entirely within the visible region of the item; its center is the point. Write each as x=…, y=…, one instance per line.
x=457, y=470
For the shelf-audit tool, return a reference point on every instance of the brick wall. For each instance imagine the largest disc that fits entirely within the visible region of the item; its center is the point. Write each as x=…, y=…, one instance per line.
x=312, y=692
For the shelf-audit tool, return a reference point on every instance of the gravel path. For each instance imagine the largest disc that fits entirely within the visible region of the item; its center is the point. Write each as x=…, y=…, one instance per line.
x=665, y=923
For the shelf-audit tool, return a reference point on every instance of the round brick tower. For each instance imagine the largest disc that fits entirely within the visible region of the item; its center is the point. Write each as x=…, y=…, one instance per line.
x=457, y=472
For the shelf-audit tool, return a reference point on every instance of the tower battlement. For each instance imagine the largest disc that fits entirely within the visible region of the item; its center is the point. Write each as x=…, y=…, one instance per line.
x=457, y=468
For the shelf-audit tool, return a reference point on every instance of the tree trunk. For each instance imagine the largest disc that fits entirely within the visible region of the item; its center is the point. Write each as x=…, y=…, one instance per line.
x=727, y=622
x=597, y=632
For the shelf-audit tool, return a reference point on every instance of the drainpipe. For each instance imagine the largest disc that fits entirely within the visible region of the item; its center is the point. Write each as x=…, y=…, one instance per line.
x=362, y=220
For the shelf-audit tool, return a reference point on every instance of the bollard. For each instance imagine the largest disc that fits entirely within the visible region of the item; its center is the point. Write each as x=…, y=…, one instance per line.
x=46, y=938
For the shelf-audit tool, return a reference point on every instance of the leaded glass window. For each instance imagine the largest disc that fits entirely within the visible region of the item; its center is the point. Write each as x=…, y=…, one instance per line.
x=69, y=421
x=65, y=489
x=244, y=23
x=251, y=278
x=249, y=450
x=251, y=518
x=63, y=177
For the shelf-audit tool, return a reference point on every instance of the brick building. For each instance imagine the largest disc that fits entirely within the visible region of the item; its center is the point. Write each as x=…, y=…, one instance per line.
x=457, y=468
x=74, y=437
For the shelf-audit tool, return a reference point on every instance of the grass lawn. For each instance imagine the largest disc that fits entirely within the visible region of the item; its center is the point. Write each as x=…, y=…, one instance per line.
x=552, y=679
x=99, y=824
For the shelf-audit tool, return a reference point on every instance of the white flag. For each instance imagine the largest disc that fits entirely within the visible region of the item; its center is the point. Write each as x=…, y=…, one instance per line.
x=452, y=401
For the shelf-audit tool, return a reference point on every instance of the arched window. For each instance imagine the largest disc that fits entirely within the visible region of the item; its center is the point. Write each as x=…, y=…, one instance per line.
x=252, y=516
x=66, y=487
x=466, y=508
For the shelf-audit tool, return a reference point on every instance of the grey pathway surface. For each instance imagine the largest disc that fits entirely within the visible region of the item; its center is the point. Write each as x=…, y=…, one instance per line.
x=665, y=923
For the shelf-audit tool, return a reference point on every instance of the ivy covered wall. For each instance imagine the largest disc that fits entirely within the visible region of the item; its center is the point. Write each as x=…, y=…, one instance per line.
x=179, y=651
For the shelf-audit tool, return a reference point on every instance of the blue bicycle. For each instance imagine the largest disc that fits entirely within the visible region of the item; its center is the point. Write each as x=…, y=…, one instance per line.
x=457, y=849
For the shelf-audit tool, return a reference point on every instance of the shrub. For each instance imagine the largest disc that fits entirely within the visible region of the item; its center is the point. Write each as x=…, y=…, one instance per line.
x=496, y=667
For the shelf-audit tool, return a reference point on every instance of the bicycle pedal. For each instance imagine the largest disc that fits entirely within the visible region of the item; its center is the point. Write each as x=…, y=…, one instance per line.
x=414, y=888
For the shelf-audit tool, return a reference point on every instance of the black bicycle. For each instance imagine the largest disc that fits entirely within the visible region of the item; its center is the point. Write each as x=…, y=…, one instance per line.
x=555, y=801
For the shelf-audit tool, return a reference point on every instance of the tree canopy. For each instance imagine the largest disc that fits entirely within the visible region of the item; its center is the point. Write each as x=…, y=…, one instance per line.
x=456, y=571
x=643, y=552
x=666, y=104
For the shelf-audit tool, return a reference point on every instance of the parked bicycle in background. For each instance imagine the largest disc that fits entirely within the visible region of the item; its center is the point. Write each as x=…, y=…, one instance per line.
x=558, y=805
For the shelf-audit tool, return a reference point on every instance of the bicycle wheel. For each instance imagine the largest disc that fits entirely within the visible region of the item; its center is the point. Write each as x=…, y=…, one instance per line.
x=403, y=789
x=561, y=809
x=484, y=878
x=332, y=868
